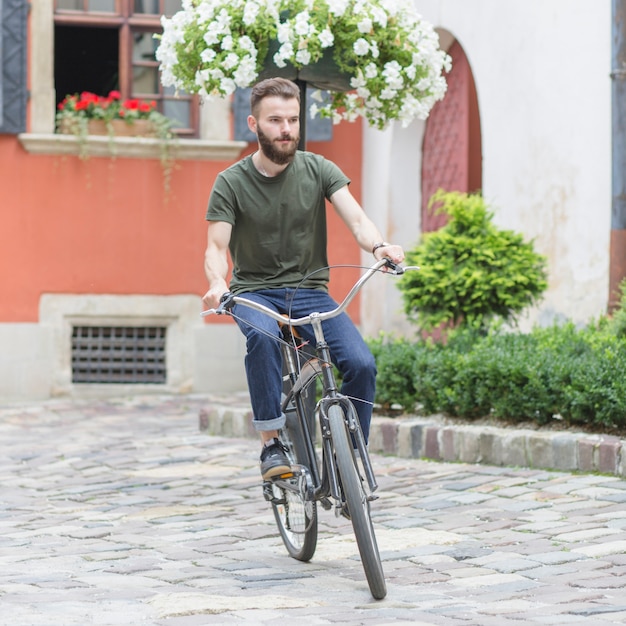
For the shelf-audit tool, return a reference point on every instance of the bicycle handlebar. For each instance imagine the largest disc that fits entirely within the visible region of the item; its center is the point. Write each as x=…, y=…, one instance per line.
x=228, y=299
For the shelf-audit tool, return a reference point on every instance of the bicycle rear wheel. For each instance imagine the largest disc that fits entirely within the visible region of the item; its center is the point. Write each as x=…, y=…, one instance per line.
x=294, y=509
x=358, y=504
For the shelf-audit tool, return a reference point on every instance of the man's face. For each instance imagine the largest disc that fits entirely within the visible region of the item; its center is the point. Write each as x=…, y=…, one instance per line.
x=277, y=128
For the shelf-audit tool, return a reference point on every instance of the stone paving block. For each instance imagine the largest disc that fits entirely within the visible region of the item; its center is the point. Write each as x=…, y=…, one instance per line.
x=418, y=441
x=540, y=450
x=447, y=447
x=587, y=461
x=388, y=429
x=608, y=454
x=431, y=443
x=489, y=448
x=606, y=548
x=408, y=438
x=512, y=449
x=467, y=444
x=565, y=451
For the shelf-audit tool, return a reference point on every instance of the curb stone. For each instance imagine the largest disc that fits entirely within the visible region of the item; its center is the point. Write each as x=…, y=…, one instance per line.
x=435, y=439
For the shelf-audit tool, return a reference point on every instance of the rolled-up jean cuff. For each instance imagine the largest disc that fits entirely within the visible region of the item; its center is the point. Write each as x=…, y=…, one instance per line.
x=274, y=424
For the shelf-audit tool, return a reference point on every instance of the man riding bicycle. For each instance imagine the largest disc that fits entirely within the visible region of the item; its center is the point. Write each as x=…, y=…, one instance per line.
x=269, y=211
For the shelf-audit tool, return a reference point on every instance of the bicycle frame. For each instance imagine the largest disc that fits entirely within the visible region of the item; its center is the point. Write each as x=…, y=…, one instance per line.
x=328, y=483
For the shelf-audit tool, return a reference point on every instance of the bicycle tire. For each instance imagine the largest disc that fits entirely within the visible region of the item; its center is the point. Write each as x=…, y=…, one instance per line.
x=295, y=514
x=358, y=504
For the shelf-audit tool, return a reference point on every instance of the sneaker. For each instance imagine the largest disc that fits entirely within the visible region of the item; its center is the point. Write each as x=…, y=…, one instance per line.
x=274, y=461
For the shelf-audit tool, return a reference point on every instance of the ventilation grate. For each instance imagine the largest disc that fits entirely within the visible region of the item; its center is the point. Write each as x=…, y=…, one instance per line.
x=118, y=354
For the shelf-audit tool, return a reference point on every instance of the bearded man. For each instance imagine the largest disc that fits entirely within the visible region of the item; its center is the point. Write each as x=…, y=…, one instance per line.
x=269, y=212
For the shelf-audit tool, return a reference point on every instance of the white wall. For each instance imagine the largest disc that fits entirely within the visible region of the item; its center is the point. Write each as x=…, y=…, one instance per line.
x=541, y=69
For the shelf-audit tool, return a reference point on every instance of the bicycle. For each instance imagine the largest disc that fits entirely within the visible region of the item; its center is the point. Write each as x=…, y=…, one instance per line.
x=344, y=477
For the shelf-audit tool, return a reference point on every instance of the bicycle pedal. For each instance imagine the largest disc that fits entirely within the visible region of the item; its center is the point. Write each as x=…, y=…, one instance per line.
x=326, y=504
x=283, y=476
x=267, y=490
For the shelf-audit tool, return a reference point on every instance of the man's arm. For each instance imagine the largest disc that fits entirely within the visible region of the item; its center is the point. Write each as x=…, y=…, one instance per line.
x=216, y=262
x=363, y=229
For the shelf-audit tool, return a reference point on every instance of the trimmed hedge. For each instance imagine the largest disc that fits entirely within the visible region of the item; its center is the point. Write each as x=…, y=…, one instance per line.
x=576, y=376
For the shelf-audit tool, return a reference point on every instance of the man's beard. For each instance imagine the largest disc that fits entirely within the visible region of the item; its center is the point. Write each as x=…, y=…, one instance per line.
x=275, y=153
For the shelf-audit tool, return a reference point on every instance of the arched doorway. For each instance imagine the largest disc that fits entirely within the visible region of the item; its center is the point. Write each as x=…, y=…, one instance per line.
x=451, y=148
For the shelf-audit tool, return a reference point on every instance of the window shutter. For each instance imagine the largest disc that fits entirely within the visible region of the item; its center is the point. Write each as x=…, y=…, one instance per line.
x=13, y=14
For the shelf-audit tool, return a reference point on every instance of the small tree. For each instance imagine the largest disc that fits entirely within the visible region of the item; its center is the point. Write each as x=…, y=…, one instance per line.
x=472, y=272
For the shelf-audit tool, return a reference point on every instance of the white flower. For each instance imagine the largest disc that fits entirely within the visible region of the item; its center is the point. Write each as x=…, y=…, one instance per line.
x=371, y=71
x=250, y=13
x=361, y=47
x=303, y=56
x=245, y=43
x=207, y=55
x=222, y=21
x=358, y=80
x=211, y=37
x=337, y=7
x=326, y=38
x=285, y=52
x=303, y=26
x=284, y=33
x=227, y=86
x=365, y=25
x=231, y=60
x=246, y=72
x=380, y=17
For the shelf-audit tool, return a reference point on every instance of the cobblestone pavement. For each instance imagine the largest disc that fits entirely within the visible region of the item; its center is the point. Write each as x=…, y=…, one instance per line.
x=123, y=512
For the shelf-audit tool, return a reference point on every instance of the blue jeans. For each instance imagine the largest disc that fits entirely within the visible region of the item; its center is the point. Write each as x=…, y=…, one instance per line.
x=264, y=360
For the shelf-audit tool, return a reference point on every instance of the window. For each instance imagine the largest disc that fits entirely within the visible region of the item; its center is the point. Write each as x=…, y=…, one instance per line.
x=104, y=45
x=118, y=354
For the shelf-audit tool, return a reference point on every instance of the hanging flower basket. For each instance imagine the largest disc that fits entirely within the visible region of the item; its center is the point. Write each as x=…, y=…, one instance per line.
x=323, y=74
x=378, y=58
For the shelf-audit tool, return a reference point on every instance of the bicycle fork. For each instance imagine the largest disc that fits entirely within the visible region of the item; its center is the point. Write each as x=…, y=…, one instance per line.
x=332, y=396
x=360, y=448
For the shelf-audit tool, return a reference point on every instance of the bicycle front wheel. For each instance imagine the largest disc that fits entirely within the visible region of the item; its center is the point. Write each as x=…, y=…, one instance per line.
x=358, y=504
x=295, y=512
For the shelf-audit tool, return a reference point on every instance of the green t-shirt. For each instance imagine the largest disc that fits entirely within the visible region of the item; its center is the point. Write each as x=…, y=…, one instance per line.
x=279, y=223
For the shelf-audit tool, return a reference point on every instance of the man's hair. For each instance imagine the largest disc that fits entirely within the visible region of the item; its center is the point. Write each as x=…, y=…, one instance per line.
x=280, y=87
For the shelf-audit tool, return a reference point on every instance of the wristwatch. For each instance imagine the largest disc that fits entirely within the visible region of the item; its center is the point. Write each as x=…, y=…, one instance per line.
x=380, y=244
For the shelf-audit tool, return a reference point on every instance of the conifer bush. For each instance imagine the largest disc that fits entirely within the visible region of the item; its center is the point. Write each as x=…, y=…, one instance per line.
x=471, y=271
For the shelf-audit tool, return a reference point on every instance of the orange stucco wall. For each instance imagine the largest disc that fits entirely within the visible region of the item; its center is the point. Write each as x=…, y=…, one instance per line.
x=106, y=226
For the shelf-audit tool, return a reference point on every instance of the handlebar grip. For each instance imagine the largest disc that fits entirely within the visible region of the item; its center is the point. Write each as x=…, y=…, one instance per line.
x=226, y=302
x=394, y=267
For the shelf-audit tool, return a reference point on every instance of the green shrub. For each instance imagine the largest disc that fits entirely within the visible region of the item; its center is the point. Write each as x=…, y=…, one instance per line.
x=394, y=382
x=471, y=272
x=556, y=373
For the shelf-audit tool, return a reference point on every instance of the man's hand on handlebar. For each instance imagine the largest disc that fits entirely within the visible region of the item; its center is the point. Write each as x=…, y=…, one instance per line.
x=391, y=251
x=213, y=296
